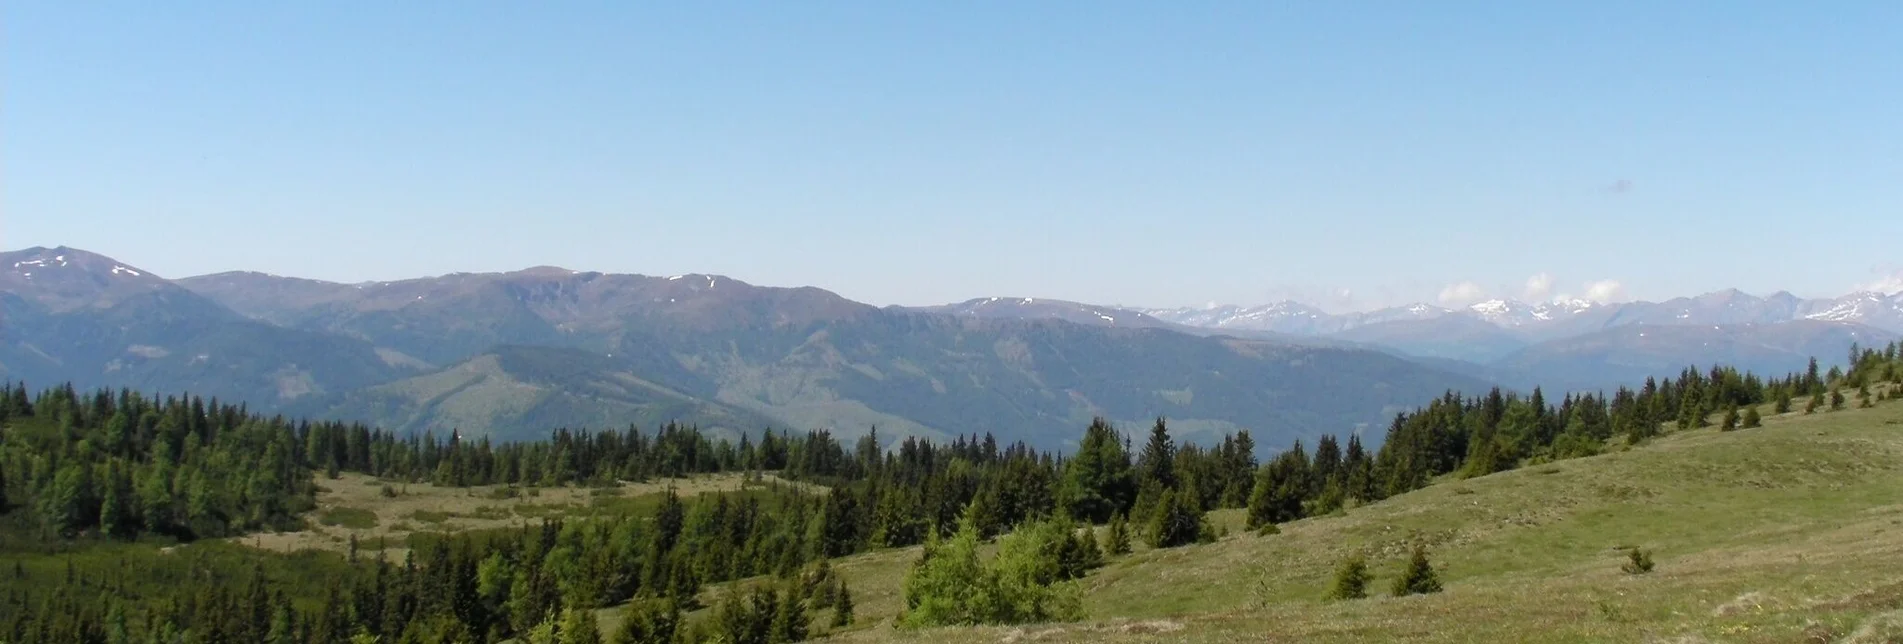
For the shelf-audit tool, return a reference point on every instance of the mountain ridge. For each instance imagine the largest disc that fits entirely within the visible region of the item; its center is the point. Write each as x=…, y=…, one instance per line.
x=509, y=354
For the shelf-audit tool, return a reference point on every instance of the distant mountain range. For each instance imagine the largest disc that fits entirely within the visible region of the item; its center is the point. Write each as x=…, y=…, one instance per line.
x=1563, y=344
x=1582, y=344
x=1561, y=318
x=515, y=354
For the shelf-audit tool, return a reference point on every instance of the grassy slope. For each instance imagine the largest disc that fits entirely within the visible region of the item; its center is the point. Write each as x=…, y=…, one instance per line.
x=1790, y=532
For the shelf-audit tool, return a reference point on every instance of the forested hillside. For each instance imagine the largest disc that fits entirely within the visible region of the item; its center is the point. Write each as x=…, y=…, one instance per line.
x=93, y=482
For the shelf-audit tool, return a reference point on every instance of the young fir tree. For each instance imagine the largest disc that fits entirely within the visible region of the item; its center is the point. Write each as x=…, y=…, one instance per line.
x=579, y=627
x=649, y=622
x=1119, y=535
x=1751, y=417
x=1816, y=401
x=1351, y=579
x=1092, y=551
x=1836, y=399
x=1419, y=578
x=1730, y=421
x=1175, y=523
x=789, y=619
x=1783, y=401
x=842, y=608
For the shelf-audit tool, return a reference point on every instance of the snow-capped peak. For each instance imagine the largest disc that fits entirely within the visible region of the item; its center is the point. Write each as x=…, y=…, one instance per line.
x=1492, y=308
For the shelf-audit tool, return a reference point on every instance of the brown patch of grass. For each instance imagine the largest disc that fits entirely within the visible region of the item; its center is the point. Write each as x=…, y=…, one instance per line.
x=354, y=504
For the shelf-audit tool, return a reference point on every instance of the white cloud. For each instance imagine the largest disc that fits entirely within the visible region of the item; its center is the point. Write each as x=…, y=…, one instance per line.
x=1462, y=294
x=1604, y=291
x=1538, y=287
x=1887, y=284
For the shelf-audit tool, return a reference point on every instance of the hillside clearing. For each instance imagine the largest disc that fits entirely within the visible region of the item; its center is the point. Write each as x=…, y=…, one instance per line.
x=355, y=505
x=1790, y=532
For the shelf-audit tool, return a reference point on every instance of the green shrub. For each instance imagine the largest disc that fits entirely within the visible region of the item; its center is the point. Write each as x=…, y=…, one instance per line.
x=949, y=585
x=1638, y=562
x=1351, y=579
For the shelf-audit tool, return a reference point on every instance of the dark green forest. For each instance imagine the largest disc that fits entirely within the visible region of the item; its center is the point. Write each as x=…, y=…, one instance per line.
x=97, y=490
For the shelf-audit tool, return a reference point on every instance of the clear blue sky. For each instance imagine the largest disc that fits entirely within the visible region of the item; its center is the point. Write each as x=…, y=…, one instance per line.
x=911, y=153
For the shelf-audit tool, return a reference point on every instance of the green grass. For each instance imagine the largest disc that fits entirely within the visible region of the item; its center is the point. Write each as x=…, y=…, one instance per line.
x=1791, y=532
x=355, y=518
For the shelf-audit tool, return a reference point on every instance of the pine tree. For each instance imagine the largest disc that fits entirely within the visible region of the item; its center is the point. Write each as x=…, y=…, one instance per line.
x=842, y=608
x=649, y=622
x=789, y=619
x=1158, y=463
x=1419, y=578
x=1175, y=523
x=1783, y=401
x=1751, y=417
x=579, y=627
x=1098, y=482
x=1836, y=399
x=1351, y=579
x=1816, y=401
x=1731, y=419
x=1092, y=552
x=1119, y=535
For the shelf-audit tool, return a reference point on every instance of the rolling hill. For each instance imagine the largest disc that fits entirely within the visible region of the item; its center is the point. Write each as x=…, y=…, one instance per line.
x=1785, y=533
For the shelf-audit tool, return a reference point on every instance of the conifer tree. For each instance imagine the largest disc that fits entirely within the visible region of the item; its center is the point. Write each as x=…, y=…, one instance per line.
x=1119, y=535
x=1351, y=579
x=1419, y=577
x=1175, y=523
x=1836, y=399
x=1158, y=463
x=579, y=627
x=1098, y=482
x=1730, y=421
x=1092, y=551
x=1816, y=401
x=649, y=622
x=1751, y=417
x=842, y=608
x=789, y=619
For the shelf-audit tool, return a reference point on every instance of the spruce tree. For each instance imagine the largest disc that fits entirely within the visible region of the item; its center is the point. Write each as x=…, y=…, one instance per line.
x=1098, y=482
x=1119, y=535
x=1419, y=578
x=1351, y=579
x=579, y=627
x=789, y=619
x=842, y=608
x=1751, y=417
x=1731, y=419
x=1836, y=399
x=1158, y=463
x=1093, y=553
x=1175, y=523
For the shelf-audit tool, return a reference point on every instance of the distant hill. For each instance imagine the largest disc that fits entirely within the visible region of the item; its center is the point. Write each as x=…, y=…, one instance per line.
x=515, y=354
x=76, y=316
x=1627, y=354
x=1456, y=337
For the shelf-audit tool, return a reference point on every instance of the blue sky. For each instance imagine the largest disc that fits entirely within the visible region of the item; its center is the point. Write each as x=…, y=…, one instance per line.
x=1351, y=154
